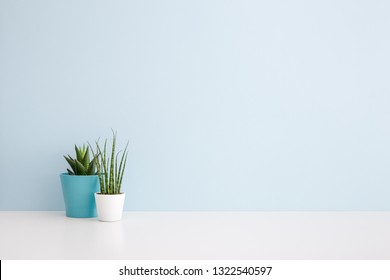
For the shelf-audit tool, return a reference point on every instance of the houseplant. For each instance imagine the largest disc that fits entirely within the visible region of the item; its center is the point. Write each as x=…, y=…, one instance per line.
x=79, y=184
x=110, y=169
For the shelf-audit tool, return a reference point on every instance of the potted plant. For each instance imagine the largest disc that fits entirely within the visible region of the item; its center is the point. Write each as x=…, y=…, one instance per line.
x=80, y=184
x=110, y=169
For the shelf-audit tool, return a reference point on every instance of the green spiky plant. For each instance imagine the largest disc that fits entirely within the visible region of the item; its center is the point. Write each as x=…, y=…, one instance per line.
x=81, y=165
x=109, y=171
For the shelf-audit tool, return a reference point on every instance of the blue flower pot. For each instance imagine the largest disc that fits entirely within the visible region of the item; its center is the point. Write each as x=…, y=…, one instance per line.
x=78, y=194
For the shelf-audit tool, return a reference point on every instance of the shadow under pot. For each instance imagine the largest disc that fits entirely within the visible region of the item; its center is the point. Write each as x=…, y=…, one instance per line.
x=78, y=192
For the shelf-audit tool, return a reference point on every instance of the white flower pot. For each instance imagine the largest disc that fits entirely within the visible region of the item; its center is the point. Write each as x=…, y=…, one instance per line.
x=109, y=206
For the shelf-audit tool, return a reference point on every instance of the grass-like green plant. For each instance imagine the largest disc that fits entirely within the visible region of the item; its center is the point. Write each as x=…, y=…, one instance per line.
x=81, y=165
x=109, y=170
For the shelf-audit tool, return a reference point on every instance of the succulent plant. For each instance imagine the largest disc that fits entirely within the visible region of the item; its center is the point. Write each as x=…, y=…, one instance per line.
x=109, y=171
x=81, y=165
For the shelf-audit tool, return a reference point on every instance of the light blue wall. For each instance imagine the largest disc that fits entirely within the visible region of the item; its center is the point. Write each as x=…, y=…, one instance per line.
x=228, y=105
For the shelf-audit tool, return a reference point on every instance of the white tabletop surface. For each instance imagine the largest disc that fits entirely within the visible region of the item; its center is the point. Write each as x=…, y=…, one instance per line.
x=197, y=235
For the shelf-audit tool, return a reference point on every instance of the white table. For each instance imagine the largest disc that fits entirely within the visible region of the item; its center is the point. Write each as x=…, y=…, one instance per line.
x=197, y=235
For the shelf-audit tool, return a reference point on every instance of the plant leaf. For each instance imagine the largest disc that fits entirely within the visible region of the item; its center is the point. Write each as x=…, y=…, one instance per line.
x=79, y=155
x=112, y=163
x=91, y=168
x=122, y=172
x=86, y=160
x=71, y=162
x=103, y=168
x=96, y=158
x=105, y=163
x=122, y=167
x=81, y=170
